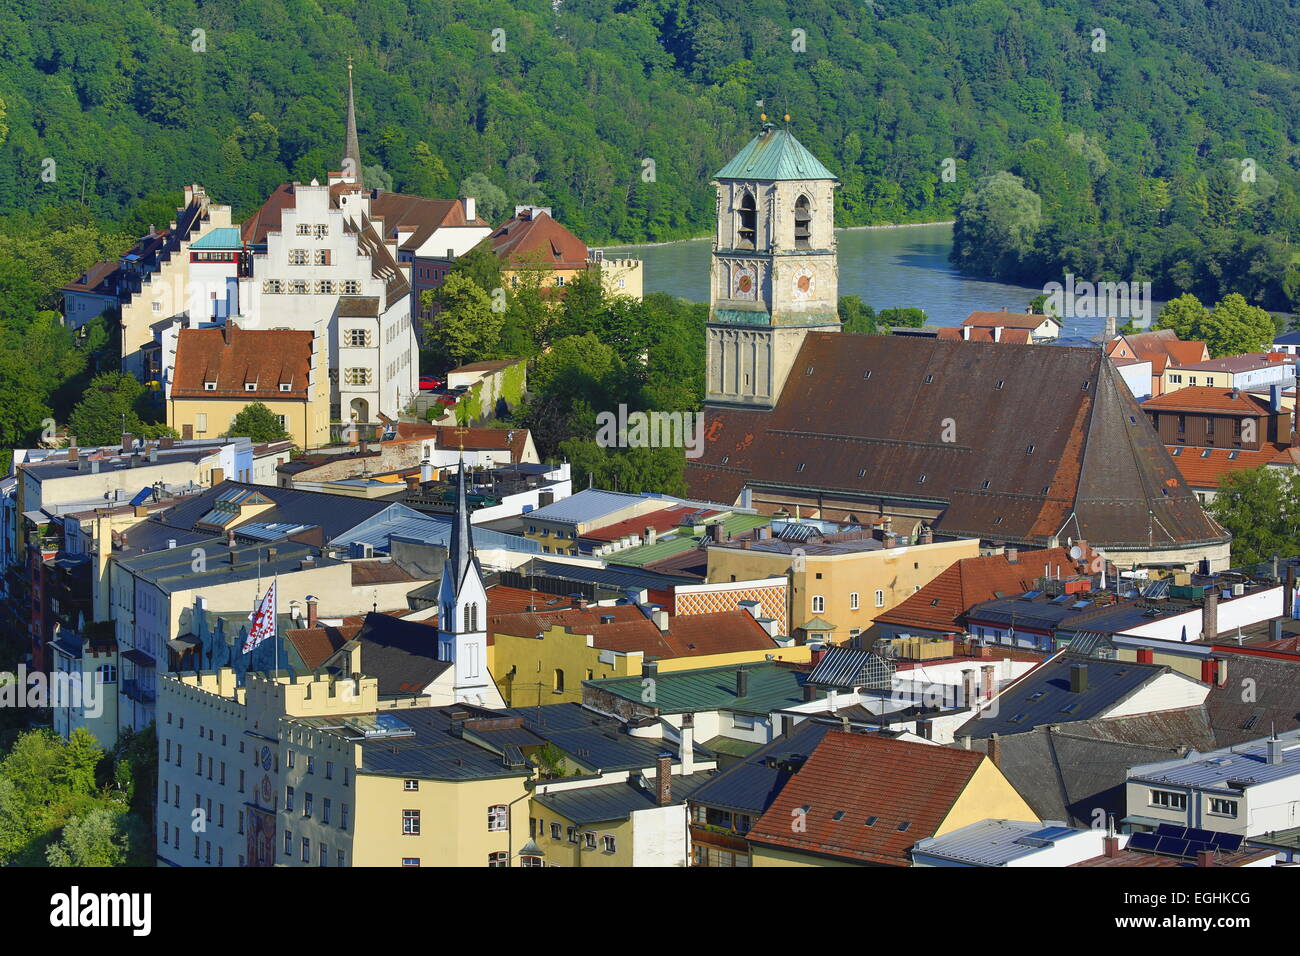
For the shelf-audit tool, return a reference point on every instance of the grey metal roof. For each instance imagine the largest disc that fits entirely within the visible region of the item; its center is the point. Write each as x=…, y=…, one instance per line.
x=1244, y=763
x=414, y=526
x=589, y=504
x=995, y=842
x=751, y=785
x=595, y=740
x=617, y=801
x=172, y=569
x=1043, y=695
x=617, y=577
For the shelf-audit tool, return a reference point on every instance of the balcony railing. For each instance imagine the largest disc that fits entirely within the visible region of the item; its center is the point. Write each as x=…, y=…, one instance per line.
x=138, y=693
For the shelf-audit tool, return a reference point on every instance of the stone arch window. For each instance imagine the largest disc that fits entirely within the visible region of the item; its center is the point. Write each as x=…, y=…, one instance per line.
x=748, y=218
x=802, y=223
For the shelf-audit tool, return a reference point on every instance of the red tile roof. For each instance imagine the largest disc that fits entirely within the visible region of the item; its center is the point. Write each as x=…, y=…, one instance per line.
x=1134, y=858
x=1007, y=320
x=968, y=582
x=695, y=635
x=538, y=240
x=316, y=645
x=860, y=776
x=233, y=357
x=418, y=217
x=514, y=440
x=1204, y=467
x=1009, y=336
x=1205, y=398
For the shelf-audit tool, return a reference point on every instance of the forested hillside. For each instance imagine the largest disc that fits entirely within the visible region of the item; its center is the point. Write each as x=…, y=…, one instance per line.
x=1132, y=143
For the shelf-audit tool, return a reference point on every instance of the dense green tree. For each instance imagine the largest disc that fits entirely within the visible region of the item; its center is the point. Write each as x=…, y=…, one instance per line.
x=256, y=421
x=1261, y=509
x=996, y=225
x=467, y=324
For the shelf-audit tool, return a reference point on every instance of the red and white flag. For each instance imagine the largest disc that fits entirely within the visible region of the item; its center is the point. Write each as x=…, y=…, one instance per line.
x=263, y=619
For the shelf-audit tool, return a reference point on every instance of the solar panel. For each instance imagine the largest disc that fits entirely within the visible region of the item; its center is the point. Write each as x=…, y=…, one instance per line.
x=1171, y=846
x=1077, y=605
x=1030, y=595
x=1143, y=841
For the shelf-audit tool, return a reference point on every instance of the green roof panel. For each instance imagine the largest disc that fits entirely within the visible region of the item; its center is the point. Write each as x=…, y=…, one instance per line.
x=774, y=154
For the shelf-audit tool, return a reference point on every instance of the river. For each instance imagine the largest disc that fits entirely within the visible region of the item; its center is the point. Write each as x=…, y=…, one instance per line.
x=896, y=266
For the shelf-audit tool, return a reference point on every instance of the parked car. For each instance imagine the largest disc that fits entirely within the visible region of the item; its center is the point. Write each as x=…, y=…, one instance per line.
x=428, y=383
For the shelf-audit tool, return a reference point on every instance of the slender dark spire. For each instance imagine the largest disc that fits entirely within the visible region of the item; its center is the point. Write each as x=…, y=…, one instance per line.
x=461, y=552
x=352, y=150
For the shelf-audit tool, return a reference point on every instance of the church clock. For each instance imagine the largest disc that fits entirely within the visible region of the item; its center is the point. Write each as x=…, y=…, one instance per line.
x=803, y=284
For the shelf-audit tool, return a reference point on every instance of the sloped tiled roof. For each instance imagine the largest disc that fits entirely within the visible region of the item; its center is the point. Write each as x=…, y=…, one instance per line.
x=535, y=239
x=233, y=357
x=969, y=581
x=1009, y=336
x=857, y=777
x=1204, y=398
x=417, y=216
x=696, y=635
x=1055, y=433
x=774, y=155
x=1206, y=467
x=1008, y=320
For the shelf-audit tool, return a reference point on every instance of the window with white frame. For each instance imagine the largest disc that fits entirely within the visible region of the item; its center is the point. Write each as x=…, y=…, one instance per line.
x=322, y=257
x=351, y=287
x=610, y=845
x=818, y=604
x=325, y=286
x=358, y=338
x=297, y=257
x=853, y=601
x=298, y=287
x=1225, y=808
x=880, y=597
x=357, y=376
x=304, y=229
x=1169, y=799
x=498, y=817
x=411, y=822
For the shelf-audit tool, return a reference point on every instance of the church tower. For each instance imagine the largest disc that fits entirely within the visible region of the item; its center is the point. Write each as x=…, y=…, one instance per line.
x=462, y=611
x=351, y=166
x=773, y=277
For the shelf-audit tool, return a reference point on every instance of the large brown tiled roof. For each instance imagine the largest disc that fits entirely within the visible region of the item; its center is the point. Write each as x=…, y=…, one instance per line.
x=860, y=776
x=267, y=218
x=865, y=416
x=233, y=357
x=316, y=645
x=537, y=239
x=969, y=581
x=1011, y=336
x=514, y=440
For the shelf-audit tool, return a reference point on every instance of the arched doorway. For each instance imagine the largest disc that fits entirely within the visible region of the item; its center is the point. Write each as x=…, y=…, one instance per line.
x=360, y=410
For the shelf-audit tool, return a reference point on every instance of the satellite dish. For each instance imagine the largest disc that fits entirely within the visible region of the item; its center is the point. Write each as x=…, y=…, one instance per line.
x=1076, y=552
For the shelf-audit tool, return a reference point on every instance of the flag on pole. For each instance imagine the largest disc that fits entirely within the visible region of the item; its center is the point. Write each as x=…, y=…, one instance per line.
x=263, y=619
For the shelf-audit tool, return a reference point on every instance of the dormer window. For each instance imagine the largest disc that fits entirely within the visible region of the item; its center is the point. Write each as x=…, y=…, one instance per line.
x=748, y=216
x=285, y=386
x=250, y=386
x=209, y=386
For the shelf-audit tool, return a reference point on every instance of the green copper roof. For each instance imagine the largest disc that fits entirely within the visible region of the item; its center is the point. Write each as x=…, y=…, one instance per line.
x=771, y=687
x=774, y=154
x=223, y=238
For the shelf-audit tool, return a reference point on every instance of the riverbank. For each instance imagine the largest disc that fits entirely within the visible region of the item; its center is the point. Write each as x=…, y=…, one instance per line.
x=676, y=242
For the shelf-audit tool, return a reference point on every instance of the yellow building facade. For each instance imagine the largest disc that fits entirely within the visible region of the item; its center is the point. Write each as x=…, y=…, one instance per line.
x=846, y=589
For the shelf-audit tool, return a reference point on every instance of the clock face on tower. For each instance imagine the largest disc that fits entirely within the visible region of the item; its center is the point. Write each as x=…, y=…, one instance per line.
x=803, y=285
x=744, y=283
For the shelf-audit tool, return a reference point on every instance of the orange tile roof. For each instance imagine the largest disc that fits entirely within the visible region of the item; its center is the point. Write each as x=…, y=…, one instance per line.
x=1134, y=858
x=316, y=645
x=857, y=777
x=233, y=357
x=1206, y=398
x=1201, y=470
x=514, y=440
x=940, y=604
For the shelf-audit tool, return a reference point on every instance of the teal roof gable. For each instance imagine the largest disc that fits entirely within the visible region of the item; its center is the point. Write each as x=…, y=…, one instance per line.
x=774, y=154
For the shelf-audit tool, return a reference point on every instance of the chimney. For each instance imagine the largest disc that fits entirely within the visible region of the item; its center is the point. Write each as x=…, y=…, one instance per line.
x=649, y=670
x=1274, y=749
x=995, y=751
x=1110, y=328
x=225, y=332
x=649, y=535
x=311, y=610
x=218, y=476
x=1110, y=846
x=745, y=543
x=965, y=333
x=128, y=442
x=412, y=483
x=809, y=692
x=1207, y=670
x=1210, y=613
x=660, y=618
x=664, y=779
x=73, y=455
x=1012, y=555
x=1078, y=678
x=891, y=539
x=1205, y=858
x=153, y=454
x=688, y=744
x=997, y=333
x=230, y=539
x=926, y=536
x=471, y=209
x=1222, y=673
x=1146, y=655
x=742, y=683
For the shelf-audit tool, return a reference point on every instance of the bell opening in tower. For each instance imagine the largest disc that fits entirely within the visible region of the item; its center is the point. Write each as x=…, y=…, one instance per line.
x=748, y=223
x=802, y=223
